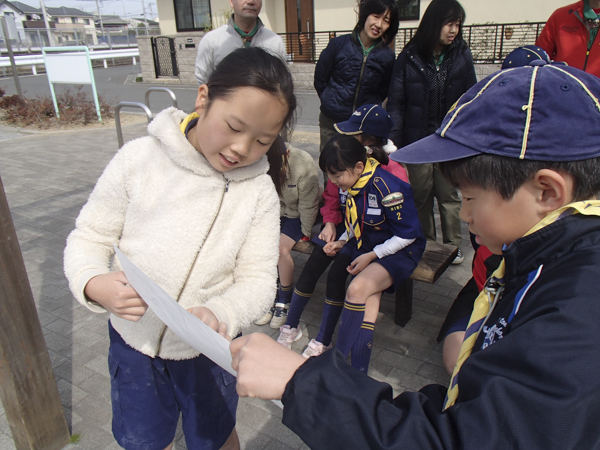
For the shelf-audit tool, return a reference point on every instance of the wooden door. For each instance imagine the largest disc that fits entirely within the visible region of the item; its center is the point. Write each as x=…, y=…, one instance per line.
x=299, y=21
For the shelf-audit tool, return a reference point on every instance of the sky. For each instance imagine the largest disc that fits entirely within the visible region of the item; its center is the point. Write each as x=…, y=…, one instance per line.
x=131, y=8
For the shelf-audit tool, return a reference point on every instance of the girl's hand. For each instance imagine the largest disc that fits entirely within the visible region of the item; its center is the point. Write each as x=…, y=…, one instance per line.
x=263, y=366
x=209, y=318
x=328, y=232
x=113, y=292
x=359, y=264
x=332, y=248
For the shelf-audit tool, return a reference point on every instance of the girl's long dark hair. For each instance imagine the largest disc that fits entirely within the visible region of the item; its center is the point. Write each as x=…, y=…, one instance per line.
x=343, y=152
x=277, y=157
x=437, y=14
x=256, y=68
x=368, y=7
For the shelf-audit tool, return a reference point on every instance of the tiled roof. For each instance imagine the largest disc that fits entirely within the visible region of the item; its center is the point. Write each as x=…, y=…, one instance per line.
x=70, y=12
x=24, y=8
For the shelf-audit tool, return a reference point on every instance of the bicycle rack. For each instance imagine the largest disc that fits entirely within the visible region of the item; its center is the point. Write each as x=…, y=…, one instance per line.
x=131, y=105
x=160, y=89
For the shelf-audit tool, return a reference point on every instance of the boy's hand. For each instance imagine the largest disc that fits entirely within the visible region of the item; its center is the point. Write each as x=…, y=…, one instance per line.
x=328, y=232
x=359, y=264
x=113, y=292
x=209, y=318
x=332, y=248
x=263, y=366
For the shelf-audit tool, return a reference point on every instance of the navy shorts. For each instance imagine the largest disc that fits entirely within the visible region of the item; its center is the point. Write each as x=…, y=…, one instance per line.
x=400, y=265
x=291, y=228
x=148, y=394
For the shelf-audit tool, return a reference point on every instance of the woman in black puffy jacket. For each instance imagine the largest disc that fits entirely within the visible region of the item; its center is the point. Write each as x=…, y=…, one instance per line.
x=430, y=74
x=355, y=69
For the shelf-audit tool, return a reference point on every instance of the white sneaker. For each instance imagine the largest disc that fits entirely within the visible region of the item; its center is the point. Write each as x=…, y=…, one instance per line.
x=315, y=348
x=280, y=315
x=459, y=257
x=266, y=318
x=288, y=335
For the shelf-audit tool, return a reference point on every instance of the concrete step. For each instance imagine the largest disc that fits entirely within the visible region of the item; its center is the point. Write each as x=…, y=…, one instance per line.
x=303, y=76
x=302, y=67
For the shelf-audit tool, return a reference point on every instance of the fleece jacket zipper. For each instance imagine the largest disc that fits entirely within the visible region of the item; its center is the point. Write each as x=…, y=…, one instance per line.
x=164, y=327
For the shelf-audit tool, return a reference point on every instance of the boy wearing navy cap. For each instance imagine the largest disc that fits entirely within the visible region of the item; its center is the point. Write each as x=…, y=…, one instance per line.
x=523, y=145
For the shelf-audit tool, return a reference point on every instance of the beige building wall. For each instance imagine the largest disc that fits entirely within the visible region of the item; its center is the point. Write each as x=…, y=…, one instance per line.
x=335, y=15
x=273, y=15
x=507, y=11
x=166, y=17
x=339, y=15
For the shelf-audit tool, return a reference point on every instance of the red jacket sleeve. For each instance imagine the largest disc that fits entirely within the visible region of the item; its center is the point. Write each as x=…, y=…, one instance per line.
x=331, y=208
x=547, y=40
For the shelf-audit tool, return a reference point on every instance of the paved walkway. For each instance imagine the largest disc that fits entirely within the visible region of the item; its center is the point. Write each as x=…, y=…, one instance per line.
x=48, y=177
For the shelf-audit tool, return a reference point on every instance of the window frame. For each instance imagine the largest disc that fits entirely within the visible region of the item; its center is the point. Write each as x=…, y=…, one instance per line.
x=405, y=7
x=180, y=29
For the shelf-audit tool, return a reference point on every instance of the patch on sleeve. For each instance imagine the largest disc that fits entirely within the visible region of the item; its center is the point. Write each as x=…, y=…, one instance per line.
x=393, y=199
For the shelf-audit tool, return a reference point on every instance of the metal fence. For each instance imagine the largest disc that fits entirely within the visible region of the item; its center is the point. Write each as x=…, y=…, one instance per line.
x=489, y=43
x=33, y=39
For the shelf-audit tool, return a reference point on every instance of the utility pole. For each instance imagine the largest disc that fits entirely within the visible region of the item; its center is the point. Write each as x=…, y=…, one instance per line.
x=11, y=56
x=102, y=25
x=145, y=19
x=51, y=42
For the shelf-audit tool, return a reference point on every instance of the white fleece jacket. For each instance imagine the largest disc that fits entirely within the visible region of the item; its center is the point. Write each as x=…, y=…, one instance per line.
x=163, y=204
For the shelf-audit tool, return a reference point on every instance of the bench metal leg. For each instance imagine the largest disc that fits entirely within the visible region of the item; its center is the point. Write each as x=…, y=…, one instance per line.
x=404, y=303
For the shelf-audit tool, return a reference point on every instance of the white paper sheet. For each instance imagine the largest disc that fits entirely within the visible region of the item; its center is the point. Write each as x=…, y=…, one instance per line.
x=188, y=327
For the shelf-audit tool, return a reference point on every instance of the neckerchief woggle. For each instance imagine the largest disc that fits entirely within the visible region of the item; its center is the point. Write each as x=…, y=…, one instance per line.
x=485, y=302
x=246, y=37
x=352, y=222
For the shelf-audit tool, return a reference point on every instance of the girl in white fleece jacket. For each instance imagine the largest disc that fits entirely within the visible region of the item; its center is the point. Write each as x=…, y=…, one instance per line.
x=193, y=207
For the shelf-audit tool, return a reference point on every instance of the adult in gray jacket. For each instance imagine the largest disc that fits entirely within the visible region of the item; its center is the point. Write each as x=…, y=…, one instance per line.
x=244, y=29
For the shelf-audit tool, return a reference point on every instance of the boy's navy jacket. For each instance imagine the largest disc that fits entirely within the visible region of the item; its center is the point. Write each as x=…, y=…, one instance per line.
x=535, y=385
x=339, y=74
x=380, y=222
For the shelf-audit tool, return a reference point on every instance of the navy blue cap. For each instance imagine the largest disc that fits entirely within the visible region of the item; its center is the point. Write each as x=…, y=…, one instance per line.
x=370, y=119
x=522, y=56
x=539, y=112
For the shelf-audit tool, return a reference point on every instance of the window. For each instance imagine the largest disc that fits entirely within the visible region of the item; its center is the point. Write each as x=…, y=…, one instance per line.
x=86, y=21
x=192, y=15
x=73, y=19
x=409, y=9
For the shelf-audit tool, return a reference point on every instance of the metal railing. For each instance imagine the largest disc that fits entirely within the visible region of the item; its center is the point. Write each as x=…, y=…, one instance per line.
x=118, y=117
x=33, y=39
x=38, y=59
x=489, y=43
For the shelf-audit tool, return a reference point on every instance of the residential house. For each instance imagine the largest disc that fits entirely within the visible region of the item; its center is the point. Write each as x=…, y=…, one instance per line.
x=73, y=26
x=308, y=26
x=287, y=16
x=17, y=14
x=140, y=22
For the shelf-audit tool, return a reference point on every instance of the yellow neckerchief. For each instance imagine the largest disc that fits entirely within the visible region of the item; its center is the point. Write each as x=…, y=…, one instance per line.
x=185, y=122
x=494, y=286
x=352, y=223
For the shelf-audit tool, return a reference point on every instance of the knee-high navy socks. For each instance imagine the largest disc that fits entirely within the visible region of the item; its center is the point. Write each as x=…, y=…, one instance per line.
x=299, y=302
x=351, y=319
x=363, y=346
x=285, y=294
x=331, y=314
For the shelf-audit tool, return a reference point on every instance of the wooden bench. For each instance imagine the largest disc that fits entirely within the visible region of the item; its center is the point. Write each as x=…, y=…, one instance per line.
x=435, y=261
